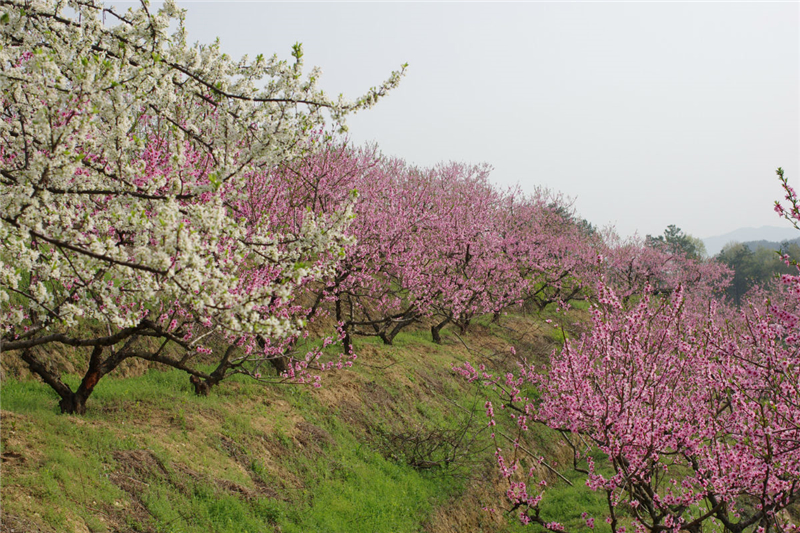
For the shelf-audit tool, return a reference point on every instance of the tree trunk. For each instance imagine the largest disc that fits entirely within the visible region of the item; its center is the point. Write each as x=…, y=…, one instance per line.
x=281, y=364
x=71, y=402
x=386, y=338
x=75, y=402
x=410, y=318
x=435, y=330
x=347, y=343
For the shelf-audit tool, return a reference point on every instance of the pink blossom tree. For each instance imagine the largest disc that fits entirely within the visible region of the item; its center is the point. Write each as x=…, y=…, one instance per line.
x=380, y=286
x=555, y=257
x=469, y=269
x=696, y=415
x=694, y=405
x=630, y=265
x=323, y=179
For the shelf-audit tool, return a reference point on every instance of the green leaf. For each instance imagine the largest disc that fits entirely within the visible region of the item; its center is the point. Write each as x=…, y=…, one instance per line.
x=214, y=179
x=297, y=50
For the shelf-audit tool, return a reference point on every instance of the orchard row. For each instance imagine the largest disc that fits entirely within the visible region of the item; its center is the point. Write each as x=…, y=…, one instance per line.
x=164, y=202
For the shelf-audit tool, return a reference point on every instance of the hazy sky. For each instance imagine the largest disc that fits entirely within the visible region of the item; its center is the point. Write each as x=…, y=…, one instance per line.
x=647, y=114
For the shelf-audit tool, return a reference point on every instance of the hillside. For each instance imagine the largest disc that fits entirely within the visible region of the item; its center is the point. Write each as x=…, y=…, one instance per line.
x=239, y=321
x=358, y=454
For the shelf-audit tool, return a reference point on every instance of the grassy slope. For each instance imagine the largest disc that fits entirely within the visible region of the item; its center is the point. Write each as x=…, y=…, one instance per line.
x=151, y=456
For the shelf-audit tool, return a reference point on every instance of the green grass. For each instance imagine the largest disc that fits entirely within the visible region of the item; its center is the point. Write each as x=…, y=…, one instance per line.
x=566, y=504
x=361, y=491
x=28, y=397
x=205, y=509
x=349, y=488
x=581, y=305
x=235, y=460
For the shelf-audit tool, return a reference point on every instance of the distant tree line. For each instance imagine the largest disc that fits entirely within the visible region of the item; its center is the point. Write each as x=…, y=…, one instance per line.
x=754, y=264
x=674, y=240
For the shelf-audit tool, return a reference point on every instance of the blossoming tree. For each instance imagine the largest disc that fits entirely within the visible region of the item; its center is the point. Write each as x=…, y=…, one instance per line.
x=325, y=177
x=126, y=154
x=694, y=407
x=380, y=286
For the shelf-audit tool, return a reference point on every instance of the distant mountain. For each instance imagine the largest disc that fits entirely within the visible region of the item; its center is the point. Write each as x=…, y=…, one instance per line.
x=764, y=233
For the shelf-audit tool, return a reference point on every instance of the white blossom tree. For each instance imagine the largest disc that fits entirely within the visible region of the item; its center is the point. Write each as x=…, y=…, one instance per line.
x=125, y=156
